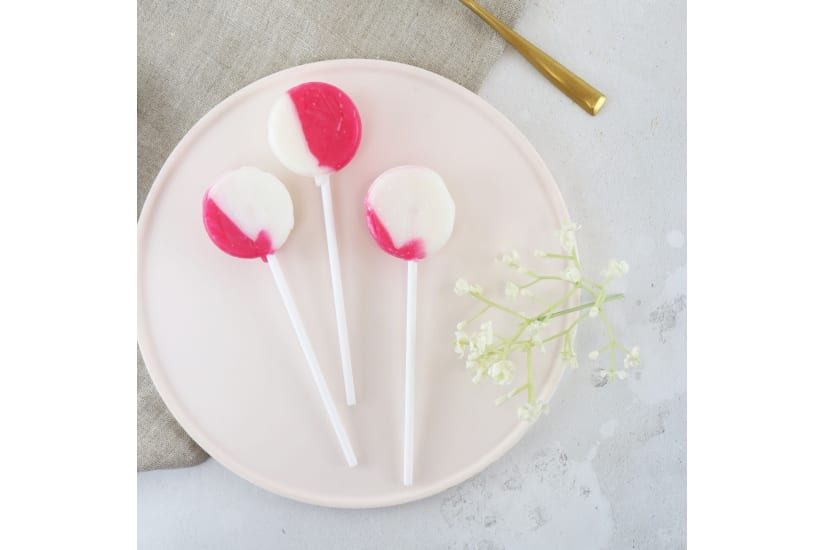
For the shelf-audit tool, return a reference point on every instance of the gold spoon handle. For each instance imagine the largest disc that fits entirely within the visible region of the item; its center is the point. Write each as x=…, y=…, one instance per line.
x=586, y=96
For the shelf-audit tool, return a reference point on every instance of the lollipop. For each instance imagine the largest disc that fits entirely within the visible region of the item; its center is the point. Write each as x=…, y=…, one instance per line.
x=410, y=214
x=315, y=130
x=248, y=214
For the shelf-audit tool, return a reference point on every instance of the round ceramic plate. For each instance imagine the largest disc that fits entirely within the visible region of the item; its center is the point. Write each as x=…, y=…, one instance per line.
x=218, y=342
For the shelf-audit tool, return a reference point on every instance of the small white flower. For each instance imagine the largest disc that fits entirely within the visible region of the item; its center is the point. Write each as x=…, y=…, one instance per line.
x=532, y=333
x=526, y=292
x=572, y=274
x=479, y=367
x=462, y=287
x=539, y=253
x=509, y=258
x=479, y=341
x=461, y=325
x=476, y=289
x=567, y=237
x=501, y=372
x=594, y=311
x=633, y=358
x=487, y=330
x=461, y=342
x=479, y=374
x=529, y=412
x=615, y=268
x=568, y=358
x=593, y=354
x=538, y=341
x=511, y=290
x=612, y=374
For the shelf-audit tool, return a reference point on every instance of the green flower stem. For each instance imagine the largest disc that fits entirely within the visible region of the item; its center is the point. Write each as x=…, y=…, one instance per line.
x=529, y=284
x=574, y=252
x=529, y=375
x=524, y=324
x=484, y=310
x=499, y=306
x=515, y=392
x=565, y=331
x=540, y=301
x=540, y=277
x=560, y=301
x=592, y=291
x=607, y=325
x=592, y=283
x=588, y=305
x=559, y=256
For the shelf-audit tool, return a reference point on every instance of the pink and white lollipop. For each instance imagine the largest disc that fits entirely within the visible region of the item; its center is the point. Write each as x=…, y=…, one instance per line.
x=248, y=213
x=315, y=130
x=410, y=214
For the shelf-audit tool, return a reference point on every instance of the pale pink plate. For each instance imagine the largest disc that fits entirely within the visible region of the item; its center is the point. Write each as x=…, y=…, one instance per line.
x=217, y=340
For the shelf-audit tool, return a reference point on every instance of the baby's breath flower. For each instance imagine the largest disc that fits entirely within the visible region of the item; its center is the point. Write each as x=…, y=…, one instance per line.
x=501, y=372
x=613, y=374
x=462, y=288
x=568, y=358
x=532, y=332
x=572, y=274
x=479, y=341
x=487, y=330
x=567, y=237
x=510, y=259
x=480, y=371
x=538, y=341
x=529, y=412
x=494, y=357
x=615, y=268
x=461, y=342
x=511, y=290
x=533, y=328
x=633, y=358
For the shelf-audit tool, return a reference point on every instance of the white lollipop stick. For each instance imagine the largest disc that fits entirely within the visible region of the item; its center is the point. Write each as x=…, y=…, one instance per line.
x=337, y=287
x=409, y=373
x=312, y=361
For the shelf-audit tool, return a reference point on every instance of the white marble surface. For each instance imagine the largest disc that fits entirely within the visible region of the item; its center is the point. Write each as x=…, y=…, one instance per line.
x=606, y=468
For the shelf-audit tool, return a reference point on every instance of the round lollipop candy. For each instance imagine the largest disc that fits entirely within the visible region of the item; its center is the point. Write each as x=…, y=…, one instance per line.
x=410, y=214
x=315, y=130
x=248, y=214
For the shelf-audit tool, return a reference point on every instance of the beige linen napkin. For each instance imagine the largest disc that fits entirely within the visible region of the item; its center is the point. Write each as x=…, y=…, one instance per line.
x=191, y=55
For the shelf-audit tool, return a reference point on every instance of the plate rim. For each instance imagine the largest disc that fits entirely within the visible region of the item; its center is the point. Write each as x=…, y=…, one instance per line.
x=151, y=361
